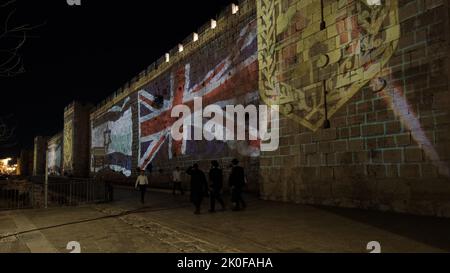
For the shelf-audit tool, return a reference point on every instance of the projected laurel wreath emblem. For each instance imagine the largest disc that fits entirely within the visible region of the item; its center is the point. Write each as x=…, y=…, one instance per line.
x=311, y=69
x=68, y=145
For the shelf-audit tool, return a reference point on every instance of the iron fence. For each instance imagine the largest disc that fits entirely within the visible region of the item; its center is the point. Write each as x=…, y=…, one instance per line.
x=73, y=192
x=16, y=196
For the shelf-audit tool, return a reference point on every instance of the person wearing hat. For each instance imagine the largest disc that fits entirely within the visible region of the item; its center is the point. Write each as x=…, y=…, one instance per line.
x=142, y=183
x=199, y=186
x=237, y=182
x=215, y=187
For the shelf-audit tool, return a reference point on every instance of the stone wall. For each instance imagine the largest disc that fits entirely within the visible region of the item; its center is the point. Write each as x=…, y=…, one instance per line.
x=379, y=138
x=131, y=130
x=76, y=136
x=40, y=148
x=55, y=155
x=363, y=90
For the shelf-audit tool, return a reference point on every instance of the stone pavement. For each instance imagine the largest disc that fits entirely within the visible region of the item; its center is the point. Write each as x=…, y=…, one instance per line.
x=167, y=224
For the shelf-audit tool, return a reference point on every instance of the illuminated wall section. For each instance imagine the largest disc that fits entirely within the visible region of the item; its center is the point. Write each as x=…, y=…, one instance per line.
x=327, y=67
x=227, y=77
x=54, y=155
x=218, y=65
x=363, y=91
x=76, y=137
x=68, y=143
x=111, y=139
x=362, y=86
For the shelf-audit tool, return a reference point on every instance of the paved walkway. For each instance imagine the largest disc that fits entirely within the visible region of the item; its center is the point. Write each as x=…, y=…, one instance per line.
x=167, y=224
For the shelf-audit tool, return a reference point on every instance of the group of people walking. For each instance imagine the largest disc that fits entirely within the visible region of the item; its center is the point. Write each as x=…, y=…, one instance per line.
x=202, y=187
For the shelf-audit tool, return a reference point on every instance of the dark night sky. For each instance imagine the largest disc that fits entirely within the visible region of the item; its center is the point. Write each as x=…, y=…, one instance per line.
x=86, y=53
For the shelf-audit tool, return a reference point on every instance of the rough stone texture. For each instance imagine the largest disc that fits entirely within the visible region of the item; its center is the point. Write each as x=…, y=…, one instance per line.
x=194, y=68
x=55, y=155
x=40, y=148
x=386, y=149
x=381, y=73
x=75, y=139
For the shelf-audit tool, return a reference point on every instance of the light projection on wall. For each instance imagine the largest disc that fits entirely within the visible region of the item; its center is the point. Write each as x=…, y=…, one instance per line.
x=394, y=97
x=54, y=157
x=232, y=79
x=112, y=139
x=314, y=75
x=68, y=145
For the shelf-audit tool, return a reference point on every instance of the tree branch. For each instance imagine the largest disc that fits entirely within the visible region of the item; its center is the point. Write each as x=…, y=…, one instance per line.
x=12, y=39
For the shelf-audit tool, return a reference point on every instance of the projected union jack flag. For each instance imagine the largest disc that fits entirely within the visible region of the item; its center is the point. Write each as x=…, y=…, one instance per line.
x=233, y=77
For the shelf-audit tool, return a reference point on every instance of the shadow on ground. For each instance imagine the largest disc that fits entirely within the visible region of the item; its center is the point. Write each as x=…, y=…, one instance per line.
x=432, y=231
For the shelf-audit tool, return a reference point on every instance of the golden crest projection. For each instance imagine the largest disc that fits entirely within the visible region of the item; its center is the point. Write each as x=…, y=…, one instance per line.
x=68, y=145
x=315, y=57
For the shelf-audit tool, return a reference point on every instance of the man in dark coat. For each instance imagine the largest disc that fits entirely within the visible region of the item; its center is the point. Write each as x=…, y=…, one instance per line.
x=237, y=182
x=215, y=186
x=199, y=186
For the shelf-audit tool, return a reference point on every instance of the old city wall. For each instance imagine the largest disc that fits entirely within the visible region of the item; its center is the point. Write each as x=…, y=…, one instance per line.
x=385, y=74
x=132, y=129
x=363, y=95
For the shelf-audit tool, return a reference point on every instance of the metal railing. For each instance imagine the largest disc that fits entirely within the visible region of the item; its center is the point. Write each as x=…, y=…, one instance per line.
x=16, y=196
x=73, y=192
